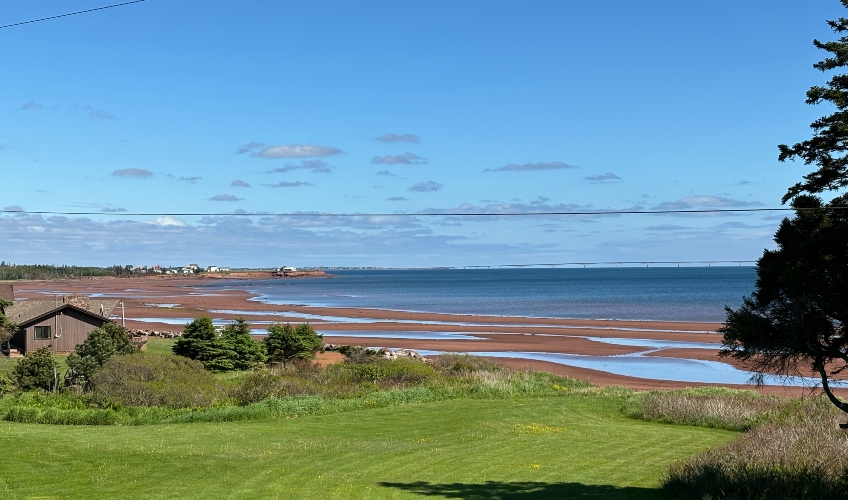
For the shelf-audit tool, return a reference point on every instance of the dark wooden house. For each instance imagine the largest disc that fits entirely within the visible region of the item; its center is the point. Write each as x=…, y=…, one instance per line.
x=59, y=324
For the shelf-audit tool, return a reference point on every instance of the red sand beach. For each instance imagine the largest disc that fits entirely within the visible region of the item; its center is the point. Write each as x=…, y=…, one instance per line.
x=176, y=297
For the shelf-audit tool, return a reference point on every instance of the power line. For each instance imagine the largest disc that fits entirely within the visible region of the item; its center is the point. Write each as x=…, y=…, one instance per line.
x=421, y=214
x=72, y=13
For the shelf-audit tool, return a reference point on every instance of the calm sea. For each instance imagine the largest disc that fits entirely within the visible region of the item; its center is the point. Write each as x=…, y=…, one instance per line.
x=658, y=293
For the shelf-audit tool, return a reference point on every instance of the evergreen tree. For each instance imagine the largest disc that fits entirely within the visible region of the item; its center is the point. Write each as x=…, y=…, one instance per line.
x=285, y=343
x=247, y=351
x=200, y=341
x=828, y=147
x=37, y=370
x=795, y=319
x=102, y=343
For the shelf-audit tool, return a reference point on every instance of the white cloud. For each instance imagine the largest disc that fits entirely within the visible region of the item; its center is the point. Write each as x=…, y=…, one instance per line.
x=287, y=184
x=166, y=221
x=250, y=146
x=132, y=173
x=315, y=166
x=607, y=177
x=705, y=201
x=530, y=167
x=297, y=151
x=99, y=114
x=225, y=197
x=426, y=187
x=392, y=137
x=29, y=106
x=404, y=159
x=238, y=183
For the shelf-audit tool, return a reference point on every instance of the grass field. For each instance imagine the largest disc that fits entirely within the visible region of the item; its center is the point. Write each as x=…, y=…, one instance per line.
x=562, y=447
x=160, y=346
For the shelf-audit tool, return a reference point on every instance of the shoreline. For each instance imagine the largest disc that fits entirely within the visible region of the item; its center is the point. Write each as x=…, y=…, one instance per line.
x=176, y=298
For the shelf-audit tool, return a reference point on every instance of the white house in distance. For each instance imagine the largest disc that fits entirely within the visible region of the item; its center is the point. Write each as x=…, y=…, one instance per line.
x=212, y=269
x=288, y=269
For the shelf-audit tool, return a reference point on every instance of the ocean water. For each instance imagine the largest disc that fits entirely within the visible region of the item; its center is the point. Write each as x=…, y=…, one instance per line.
x=657, y=293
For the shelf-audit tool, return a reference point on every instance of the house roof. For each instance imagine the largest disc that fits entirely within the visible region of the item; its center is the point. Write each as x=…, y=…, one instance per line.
x=25, y=311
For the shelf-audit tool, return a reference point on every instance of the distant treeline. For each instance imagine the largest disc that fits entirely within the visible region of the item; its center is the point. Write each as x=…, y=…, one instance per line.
x=44, y=272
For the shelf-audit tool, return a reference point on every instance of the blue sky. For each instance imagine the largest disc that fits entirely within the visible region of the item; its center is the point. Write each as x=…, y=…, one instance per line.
x=400, y=107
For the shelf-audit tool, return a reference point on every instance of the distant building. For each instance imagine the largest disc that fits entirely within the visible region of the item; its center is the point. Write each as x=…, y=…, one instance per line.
x=212, y=269
x=193, y=267
x=59, y=325
x=288, y=269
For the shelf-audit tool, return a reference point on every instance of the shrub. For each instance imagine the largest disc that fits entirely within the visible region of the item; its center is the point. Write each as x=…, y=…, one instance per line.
x=358, y=354
x=723, y=408
x=384, y=372
x=463, y=364
x=285, y=344
x=199, y=341
x=100, y=345
x=708, y=407
x=37, y=370
x=155, y=380
x=265, y=383
x=795, y=461
x=245, y=352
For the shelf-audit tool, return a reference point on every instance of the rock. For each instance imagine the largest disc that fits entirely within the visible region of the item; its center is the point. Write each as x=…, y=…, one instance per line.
x=401, y=353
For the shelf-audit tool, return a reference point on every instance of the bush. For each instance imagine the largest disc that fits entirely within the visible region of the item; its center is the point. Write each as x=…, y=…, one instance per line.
x=155, y=380
x=706, y=406
x=358, y=354
x=463, y=364
x=37, y=370
x=243, y=350
x=284, y=343
x=266, y=383
x=100, y=345
x=795, y=461
x=384, y=372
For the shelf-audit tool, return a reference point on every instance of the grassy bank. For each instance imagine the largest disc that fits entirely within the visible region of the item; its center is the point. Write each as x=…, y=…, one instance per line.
x=793, y=448
x=574, y=445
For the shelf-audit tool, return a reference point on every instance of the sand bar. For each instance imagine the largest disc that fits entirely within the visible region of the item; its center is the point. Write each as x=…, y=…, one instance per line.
x=162, y=300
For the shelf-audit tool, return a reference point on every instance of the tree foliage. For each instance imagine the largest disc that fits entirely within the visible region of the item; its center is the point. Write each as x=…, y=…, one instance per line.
x=233, y=349
x=285, y=343
x=143, y=379
x=795, y=319
x=197, y=340
x=37, y=370
x=43, y=272
x=245, y=352
x=7, y=327
x=828, y=148
x=797, y=314
x=102, y=343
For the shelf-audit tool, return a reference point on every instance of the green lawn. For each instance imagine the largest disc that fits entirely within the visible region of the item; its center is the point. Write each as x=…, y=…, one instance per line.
x=6, y=365
x=561, y=447
x=156, y=345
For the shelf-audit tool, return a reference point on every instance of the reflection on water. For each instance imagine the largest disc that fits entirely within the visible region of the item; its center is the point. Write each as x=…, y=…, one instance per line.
x=650, y=367
x=389, y=334
x=487, y=322
x=656, y=344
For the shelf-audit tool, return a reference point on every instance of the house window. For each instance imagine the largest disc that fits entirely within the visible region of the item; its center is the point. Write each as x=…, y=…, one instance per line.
x=42, y=333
